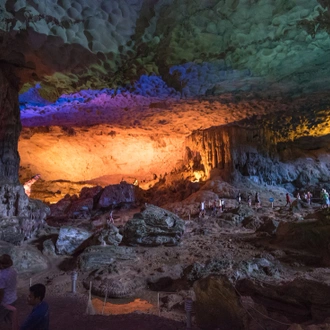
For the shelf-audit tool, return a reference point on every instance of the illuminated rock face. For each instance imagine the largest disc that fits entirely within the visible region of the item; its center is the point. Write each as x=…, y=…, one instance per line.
x=208, y=47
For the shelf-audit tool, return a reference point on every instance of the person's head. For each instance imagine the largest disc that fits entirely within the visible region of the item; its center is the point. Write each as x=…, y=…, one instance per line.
x=5, y=261
x=36, y=294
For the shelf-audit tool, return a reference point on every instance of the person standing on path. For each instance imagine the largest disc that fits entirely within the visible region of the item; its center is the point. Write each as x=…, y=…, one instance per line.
x=8, y=283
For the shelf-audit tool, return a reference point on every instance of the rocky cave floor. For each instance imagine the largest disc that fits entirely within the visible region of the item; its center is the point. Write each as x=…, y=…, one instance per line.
x=265, y=246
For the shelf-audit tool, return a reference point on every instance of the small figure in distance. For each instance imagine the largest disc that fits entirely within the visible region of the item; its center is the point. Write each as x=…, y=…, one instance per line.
x=239, y=198
x=222, y=205
x=288, y=199
x=39, y=316
x=110, y=219
x=202, y=210
x=257, y=200
x=249, y=201
x=309, y=197
x=8, y=282
x=298, y=196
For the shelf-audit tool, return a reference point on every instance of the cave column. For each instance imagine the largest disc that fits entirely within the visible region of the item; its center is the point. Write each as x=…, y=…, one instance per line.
x=10, y=124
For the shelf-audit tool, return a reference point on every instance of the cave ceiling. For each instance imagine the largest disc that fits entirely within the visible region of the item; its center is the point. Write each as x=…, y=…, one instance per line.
x=135, y=77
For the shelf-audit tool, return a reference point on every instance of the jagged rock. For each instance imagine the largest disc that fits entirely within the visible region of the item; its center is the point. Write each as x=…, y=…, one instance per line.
x=20, y=216
x=11, y=230
x=298, y=300
x=110, y=236
x=27, y=259
x=72, y=207
x=269, y=226
x=70, y=238
x=98, y=257
x=116, y=284
x=48, y=248
x=251, y=222
x=217, y=304
x=153, y=227
x=116, y=194
x=107, y=278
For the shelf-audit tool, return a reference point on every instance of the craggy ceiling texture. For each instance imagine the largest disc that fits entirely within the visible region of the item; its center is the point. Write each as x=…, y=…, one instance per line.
x=111, y=89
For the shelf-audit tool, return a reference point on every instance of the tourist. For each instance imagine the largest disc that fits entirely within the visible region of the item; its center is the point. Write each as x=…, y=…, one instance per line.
x=249, y=201
x=202, y=209
x=298, y=196
x=239, y=198
x=39, y=316
x=257, y=200
x=288, y=199
x=324, y=198
x=309, y=197
x=8, y=281
x=222, y=205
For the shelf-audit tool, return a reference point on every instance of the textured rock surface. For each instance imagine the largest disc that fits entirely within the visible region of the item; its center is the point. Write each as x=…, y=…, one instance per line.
x=153, y=227
x=110, y=236
x=70, y=238
x=217, y=304
x=20, y=217
x=99, y=257
x=27, y=259
x=116, y=194
x=210, y=47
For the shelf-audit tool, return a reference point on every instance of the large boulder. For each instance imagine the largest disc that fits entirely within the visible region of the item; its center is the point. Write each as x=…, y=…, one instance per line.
x=116, y=194
x=153, y=227
x=109, y=236
x=70, y=238
x=217, y=304
x=27, y=258
x=99, y=257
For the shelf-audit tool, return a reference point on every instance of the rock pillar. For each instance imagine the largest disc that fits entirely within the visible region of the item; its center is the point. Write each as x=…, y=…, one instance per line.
x=10, y=124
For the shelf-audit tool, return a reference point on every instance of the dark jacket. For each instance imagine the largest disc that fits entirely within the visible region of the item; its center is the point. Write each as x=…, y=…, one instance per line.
x=38, y=318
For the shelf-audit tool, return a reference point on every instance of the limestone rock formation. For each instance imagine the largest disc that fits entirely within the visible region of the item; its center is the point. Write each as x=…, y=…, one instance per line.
x=21, y=217
x=115, y=194
x=217, y=304
x=70, y=238
x=302, y=298
x=153, y=227
x=99, y=257
x=27, y=259
x=109, y=236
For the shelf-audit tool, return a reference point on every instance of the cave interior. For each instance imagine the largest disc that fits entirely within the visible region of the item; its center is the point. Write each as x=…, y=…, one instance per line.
x=133, y=113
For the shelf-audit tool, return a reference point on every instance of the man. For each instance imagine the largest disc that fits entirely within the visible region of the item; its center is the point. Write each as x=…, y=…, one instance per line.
x=39, y=317
x=8, y=281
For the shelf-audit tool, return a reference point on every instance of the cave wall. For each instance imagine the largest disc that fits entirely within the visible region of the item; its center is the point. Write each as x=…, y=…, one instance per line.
x=261, y=154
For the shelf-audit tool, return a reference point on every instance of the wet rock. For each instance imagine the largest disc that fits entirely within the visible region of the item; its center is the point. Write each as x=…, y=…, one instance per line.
x=70, y=238
x=153, y=227
x=116, y=194
x=217, y=304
